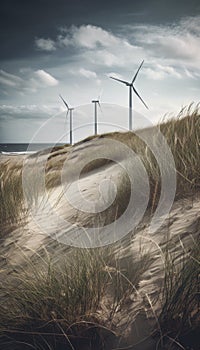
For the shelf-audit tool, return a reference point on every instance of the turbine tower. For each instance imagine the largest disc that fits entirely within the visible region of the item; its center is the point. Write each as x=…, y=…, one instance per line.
x=131, y=89
x=70, y=112
x=96, y=102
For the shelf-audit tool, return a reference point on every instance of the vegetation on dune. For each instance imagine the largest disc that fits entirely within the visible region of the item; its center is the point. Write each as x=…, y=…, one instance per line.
x=77, y=298
x=77, y=302
x=180, y=315
x=74, y=300
x=11, y=195
x=182, y=134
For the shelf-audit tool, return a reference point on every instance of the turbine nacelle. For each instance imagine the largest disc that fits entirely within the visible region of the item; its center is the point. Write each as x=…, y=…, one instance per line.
x=96, y=101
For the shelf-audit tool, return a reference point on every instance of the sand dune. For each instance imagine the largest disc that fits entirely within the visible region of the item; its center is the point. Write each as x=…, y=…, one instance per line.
x=82, y=192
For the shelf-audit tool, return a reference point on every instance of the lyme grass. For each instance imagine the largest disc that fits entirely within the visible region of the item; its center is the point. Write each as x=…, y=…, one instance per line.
x=181, y=133
x=63, y=298
x=11, y=195
x=82, y=291
x=52, y=297
x=179, y=317
x=183, y=137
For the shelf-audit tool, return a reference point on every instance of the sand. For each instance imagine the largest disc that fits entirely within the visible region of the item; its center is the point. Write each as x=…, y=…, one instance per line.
x=52, y=224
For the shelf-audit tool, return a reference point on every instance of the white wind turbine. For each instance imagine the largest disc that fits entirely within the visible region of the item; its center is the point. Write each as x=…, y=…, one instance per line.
x=70, y=111
x=96, y=102
x=131, y=89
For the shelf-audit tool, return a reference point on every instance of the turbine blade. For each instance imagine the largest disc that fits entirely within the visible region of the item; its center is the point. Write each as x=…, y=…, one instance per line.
x=139, y=96
x=64, y=102
x=121, y=81
x=99, y=106
x=100, y=95
x=135, y=76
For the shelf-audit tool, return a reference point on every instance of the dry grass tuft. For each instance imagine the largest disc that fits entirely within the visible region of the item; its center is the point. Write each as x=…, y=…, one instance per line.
x=60, y=302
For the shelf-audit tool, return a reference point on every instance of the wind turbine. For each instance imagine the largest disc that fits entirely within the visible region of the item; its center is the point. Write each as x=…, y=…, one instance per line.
x=131, y=87
x=70, y=111
x=96, y=102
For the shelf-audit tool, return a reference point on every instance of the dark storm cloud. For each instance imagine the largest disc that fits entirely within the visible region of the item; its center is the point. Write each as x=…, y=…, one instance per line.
x=22, y=21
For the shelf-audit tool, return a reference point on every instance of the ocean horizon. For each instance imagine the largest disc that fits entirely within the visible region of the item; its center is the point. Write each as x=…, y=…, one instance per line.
x=6, y=148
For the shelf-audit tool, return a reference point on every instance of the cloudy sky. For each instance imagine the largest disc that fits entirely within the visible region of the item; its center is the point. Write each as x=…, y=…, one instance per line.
x=72, y=47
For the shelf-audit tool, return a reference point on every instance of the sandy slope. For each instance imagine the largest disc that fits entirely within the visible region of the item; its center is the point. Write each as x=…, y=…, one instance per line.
x=53, y=223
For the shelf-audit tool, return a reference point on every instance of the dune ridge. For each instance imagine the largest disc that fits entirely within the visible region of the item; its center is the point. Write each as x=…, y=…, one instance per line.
x=137, y=270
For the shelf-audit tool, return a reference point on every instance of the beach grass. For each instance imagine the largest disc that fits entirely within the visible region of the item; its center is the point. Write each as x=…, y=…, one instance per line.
x=180, y=315
x=70, y=300
x=181, y=133
x=182, y=136
x=54, y=305
x=11, y=195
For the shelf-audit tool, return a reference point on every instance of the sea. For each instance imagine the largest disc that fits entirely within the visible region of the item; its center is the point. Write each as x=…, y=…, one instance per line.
x=24, y=148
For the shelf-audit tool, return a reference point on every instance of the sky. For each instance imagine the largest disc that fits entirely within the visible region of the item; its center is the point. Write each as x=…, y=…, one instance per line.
x=52, y=47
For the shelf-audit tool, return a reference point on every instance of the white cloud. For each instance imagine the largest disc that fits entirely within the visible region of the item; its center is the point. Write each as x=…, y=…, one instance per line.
x=177, y=44
x=87, y=73
x=10, y=80
x=179, y=47
x=45, y=44
x=45, y=78
x=31, y=82
x=160, y=72
x=104, y=57
x=189, y=74
x=87, y=36
x=170, y=71
x=27, y=111
x=98, y=46
x=154, y=74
